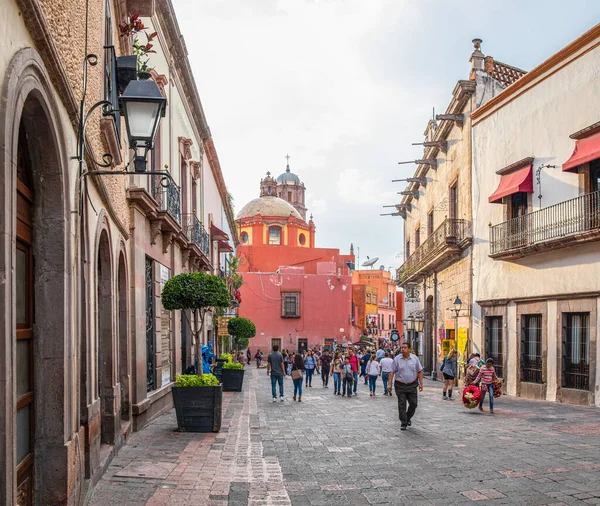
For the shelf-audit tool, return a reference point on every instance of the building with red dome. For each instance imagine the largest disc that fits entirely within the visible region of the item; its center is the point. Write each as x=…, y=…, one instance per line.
x=298, y=295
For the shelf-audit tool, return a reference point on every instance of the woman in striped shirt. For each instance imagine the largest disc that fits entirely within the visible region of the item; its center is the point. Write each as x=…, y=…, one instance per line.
x=487, y=375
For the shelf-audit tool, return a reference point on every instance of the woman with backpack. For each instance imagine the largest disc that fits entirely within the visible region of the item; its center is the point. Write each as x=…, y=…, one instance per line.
x=297, y=369
x=372, y=371
x=449, y=370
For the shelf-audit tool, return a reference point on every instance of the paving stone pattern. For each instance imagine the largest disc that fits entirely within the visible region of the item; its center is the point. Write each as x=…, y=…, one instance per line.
x=331, y=450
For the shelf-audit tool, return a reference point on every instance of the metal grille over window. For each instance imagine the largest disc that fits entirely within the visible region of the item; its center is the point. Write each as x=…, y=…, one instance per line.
x=531, y=349
x=291, y=305
x=149, y=325
x=493, y=343
x=576, y=351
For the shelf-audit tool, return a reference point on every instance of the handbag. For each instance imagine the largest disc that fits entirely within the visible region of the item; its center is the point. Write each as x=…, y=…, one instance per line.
x=296, y=374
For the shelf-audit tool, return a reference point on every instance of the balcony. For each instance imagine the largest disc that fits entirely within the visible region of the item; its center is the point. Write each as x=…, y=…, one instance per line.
x=195, y=233
x=565, y=224
x=440, y=249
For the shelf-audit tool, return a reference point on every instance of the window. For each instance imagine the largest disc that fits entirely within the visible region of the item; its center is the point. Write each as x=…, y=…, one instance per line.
x=290, y=305
x=493, y=342
x=268, y=190
x=368, y=298
x=276, y=341
x=289, y=196
x=518, y=205
x=244, y=237
x=407, y=252
x=595, y=176
x=374, y=298
x=275, y=235
x=430, y=223
x=531, y=348
x=418, y=237
x=302, y=239
x=576, y=351
x=453, y=201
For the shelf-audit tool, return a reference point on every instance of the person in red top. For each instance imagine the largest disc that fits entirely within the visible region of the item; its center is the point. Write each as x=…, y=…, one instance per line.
x=355, y=364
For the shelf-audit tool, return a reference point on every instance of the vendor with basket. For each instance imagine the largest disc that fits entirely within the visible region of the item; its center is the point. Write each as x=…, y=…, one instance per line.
x=488, y=383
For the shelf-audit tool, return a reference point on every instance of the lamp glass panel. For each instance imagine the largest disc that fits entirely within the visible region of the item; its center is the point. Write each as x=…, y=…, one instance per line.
x=419, y=325
x=141, y=119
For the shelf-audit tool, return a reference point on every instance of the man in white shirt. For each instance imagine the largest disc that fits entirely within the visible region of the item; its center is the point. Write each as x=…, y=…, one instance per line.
x=406, y=370
x=386, y=368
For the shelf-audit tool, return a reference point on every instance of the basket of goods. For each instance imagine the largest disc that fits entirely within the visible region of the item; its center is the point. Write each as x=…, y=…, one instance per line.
x=497, y=384
x=472, y=372
x=471, y=396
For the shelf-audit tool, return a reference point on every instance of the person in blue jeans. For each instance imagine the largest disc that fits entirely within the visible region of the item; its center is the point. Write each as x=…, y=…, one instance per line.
x=373, y=372
x=386, y=368
x=348, y=378
x=276, y=369
x=336, y=372
x=310, y=365
x=298, y=365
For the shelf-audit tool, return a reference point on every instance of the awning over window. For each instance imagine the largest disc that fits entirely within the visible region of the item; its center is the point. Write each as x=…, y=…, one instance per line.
x=518, y=181
x=225, y=247
x=218, y=234
x=586, y=150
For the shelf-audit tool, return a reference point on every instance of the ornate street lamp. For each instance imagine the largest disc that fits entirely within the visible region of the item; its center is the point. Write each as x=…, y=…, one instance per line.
x=143, y=106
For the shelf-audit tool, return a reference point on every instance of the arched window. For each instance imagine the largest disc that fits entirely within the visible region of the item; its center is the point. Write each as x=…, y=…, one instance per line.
x=275, y=235
x=302, y=239
x=244, y=237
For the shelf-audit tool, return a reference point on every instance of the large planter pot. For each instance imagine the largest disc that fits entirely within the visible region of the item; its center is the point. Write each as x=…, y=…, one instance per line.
x=198, y=409
x=218, y=367
x=232, y=379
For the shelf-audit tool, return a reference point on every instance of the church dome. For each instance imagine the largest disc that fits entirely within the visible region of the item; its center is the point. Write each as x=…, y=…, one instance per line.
x=268, y=206
x=288, y=177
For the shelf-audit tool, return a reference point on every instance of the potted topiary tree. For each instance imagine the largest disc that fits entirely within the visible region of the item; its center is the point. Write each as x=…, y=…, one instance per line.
x=198, y=402
x=196, y=398
x=241, y=329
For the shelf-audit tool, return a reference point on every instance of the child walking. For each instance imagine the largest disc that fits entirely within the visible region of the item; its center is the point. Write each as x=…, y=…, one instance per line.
x=348, y=376
x=487, y=376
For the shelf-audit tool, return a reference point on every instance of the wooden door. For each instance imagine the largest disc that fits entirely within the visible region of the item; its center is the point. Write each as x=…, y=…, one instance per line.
x=24, y=304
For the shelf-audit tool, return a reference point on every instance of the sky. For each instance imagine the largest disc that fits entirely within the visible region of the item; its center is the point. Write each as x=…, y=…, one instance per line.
x=345, y=86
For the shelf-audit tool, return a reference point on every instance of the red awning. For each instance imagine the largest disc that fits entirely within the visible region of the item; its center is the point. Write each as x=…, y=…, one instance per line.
x=518, y=181
x=224, y=246
x=218, y=234
x=586, y=150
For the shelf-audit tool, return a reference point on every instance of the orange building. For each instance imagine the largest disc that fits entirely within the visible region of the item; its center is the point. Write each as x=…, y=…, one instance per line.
x=381, y=311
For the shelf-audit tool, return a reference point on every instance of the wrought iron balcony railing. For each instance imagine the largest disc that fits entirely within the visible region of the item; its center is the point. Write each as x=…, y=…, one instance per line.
x=562, y=224
x=169, y=198
x=195, y=232
x=450, y=234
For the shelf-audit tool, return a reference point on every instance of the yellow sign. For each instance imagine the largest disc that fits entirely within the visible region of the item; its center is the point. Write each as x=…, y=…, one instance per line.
x=447, y=345
x=222, y=322
x=463, y=338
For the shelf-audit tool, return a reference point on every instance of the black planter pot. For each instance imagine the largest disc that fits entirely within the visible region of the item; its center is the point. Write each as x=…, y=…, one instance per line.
x=233, y=380
x=198, y=409
x=218, y=367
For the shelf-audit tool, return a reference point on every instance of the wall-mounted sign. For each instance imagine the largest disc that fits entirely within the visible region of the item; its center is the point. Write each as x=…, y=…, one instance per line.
x=222, y=326
x=412, y=293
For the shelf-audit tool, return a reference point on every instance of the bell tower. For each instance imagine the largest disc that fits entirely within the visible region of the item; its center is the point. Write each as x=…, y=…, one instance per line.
x=268, y=186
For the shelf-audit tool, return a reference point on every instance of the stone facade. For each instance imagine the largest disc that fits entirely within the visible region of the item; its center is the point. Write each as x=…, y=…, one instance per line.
x=74, y=250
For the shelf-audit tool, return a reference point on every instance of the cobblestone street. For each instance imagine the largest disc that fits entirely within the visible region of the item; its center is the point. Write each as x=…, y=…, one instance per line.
x=332, y=450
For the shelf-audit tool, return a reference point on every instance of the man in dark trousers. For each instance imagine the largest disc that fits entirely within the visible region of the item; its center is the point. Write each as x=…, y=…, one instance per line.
x=407, y=372
x=325, y=367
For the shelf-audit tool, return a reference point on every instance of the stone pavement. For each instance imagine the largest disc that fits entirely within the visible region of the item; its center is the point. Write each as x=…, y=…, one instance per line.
x=331, y=450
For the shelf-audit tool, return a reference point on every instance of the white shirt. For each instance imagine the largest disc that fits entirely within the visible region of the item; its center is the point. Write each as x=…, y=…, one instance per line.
x=373, y=368
x=386, y=364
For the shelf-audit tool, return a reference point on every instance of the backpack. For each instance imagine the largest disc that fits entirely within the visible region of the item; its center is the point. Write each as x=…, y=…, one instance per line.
x=442, y=365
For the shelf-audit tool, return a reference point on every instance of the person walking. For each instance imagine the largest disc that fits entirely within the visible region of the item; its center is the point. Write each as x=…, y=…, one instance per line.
x=364, y=361
x=407, y=372
x=336, y=372
x=248, y=356
x=373, y=371
x=310, y=364
x=277, y=372
x=448, y=368
x=325, y=362
x=354, y=363
x=297, y=370
x=258, y=357
x=386, y=368
x=487, y=376
x=286, y=359
x=380, y=354
x=348, y=375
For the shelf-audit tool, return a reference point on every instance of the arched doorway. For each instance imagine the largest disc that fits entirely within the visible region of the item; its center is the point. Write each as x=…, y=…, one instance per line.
x=105, y=346
x=36, y=337
x=124, y=367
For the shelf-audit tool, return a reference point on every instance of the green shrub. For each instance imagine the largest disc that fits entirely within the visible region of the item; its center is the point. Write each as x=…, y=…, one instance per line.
x=241, y=328
x=195, y=291
x=231, y=365
x=227, y=357
x=193, y=380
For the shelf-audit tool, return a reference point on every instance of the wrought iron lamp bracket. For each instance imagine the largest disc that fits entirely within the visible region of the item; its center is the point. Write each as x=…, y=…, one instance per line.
x=538, y=178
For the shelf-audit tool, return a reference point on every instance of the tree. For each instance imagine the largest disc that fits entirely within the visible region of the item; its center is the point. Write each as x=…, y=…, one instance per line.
x=242, y=329
x=199, y=293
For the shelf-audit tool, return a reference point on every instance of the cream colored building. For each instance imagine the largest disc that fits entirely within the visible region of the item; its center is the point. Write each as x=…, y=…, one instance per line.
x=436, y=207
x=81, y=256
x=536, y=255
